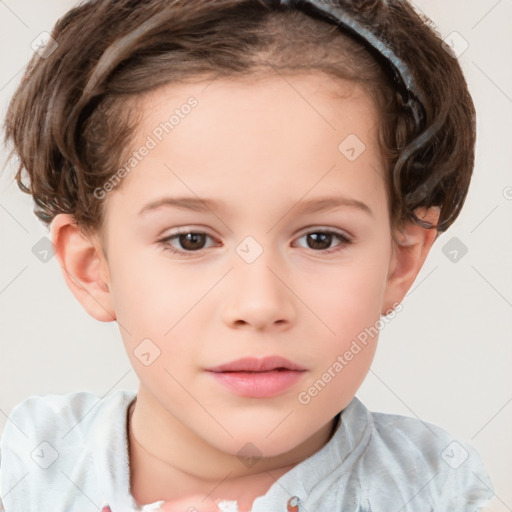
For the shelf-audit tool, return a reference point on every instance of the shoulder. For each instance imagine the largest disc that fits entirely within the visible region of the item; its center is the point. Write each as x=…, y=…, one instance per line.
x=424, y=462
x=414, y=439
x=54, y=413
x=50, y=439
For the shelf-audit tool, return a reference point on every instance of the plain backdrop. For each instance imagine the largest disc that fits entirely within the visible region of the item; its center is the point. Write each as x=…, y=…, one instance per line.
x=445, y=358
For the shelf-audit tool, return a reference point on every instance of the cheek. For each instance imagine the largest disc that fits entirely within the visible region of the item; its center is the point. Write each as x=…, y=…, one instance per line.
x=351, y=297
x=350, y=310
x=154, y=303
x=149, y=294
x=350, y=303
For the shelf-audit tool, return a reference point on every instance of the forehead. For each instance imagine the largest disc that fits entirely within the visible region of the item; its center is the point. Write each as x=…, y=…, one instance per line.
x=276, y=138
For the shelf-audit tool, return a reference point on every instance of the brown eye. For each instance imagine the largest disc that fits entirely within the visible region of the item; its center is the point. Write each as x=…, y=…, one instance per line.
x=321, y=241
x=185, y=242
x=192, y=241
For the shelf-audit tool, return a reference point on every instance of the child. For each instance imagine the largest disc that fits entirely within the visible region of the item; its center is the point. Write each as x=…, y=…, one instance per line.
x=259, y=130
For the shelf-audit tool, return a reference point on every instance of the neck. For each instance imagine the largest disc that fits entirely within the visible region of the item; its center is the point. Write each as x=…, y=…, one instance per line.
x=186, y=465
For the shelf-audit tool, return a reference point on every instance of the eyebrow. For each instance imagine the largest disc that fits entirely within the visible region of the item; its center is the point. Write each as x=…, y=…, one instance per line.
x=303, y=207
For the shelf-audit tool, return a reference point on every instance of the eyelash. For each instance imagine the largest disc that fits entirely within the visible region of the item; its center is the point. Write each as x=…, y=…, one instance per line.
x=164, y=242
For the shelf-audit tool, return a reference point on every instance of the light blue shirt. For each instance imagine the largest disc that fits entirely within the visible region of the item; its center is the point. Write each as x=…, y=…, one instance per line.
x=69, y=453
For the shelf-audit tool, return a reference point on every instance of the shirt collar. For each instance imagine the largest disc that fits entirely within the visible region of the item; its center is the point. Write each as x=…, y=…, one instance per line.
x=110, y=449
x=347, y=444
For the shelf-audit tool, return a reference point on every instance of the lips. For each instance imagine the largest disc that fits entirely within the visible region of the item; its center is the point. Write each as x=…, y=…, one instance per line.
x=253, y=364
x=251, y=377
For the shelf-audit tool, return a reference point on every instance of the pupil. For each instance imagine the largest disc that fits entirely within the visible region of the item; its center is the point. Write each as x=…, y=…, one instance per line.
x=320, y=240
x=189, y=240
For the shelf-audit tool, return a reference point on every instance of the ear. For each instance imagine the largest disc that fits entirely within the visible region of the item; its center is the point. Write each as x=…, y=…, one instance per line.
x=409, y=253
x=84, y=266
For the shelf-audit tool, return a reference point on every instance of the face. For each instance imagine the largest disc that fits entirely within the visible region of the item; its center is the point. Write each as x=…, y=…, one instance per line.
x=257, y=225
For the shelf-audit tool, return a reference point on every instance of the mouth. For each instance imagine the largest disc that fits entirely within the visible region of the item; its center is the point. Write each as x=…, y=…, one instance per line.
x=255, y=365
x=258, y=378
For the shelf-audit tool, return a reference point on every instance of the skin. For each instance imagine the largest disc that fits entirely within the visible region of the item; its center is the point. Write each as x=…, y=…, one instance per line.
x=262, y=149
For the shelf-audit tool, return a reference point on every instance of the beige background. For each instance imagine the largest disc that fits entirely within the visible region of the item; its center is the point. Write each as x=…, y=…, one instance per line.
x=445, y=359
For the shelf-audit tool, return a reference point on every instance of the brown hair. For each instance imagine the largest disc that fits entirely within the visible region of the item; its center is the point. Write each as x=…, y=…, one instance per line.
x=73, y=115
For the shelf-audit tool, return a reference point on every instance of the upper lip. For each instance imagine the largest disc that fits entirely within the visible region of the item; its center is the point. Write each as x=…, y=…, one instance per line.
x=253, y=364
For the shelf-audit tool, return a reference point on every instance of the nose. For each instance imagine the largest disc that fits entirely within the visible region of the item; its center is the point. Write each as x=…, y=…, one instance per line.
x=258, y=296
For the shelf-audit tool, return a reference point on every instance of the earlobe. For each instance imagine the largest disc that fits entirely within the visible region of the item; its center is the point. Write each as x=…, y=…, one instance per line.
x=84, y=267
x=410, y=251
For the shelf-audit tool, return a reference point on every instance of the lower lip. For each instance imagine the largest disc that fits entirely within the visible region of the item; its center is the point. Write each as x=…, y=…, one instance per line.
x=258, y=384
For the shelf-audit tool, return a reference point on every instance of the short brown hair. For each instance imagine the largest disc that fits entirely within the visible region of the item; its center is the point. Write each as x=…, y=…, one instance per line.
x=72, y=117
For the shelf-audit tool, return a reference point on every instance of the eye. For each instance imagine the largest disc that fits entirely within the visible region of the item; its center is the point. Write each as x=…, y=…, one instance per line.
x=321, y=240
x=189, y=242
